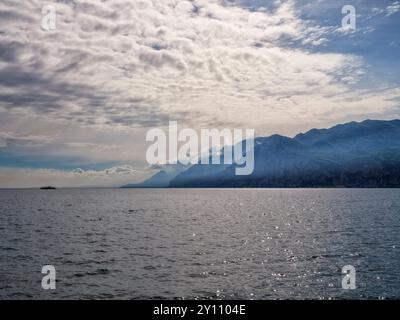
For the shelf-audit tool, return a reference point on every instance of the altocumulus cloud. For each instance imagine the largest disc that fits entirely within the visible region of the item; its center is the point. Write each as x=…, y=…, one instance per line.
x=114, y=68
x=138, y=63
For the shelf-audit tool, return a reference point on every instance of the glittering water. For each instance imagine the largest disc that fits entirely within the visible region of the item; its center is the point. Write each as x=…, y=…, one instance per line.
x=208, y=243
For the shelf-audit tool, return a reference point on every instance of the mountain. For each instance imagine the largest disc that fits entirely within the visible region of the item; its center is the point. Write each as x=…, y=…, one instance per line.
x=161, y=179
x=367, y=135
x=355, y=154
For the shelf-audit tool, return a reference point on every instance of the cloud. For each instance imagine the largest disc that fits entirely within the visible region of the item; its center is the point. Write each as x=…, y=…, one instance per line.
x=388, y=10
x=393, y=8
x=11, y=138
x=123, y=63
x=114, y=171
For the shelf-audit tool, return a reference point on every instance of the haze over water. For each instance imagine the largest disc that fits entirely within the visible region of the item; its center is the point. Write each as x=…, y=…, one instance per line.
x=200, y=243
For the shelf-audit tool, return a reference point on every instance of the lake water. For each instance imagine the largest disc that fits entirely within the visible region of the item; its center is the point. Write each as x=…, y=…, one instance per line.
x=200, y=243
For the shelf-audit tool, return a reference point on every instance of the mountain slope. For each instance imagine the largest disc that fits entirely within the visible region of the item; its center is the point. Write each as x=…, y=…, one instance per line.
x=365, y=154
x=161, y=179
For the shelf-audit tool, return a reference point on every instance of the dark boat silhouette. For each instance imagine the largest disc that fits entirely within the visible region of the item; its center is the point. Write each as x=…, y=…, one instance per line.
x=48, y=188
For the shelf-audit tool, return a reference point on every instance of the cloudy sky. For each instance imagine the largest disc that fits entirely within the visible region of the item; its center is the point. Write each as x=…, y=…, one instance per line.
x=76, y=102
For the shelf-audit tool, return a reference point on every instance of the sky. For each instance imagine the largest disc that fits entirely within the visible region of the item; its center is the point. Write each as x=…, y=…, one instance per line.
x=77, y=101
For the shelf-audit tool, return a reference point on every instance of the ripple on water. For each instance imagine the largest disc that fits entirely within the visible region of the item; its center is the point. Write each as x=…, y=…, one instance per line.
x=205, y=244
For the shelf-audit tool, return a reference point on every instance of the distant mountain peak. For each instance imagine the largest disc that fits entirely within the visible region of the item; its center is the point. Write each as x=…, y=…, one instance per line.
x=353, y=154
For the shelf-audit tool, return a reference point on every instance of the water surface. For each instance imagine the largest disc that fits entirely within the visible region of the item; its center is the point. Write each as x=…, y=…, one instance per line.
x=200, y=243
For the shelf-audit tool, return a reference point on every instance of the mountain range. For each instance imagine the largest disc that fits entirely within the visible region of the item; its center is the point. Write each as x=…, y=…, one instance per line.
x=354, y=154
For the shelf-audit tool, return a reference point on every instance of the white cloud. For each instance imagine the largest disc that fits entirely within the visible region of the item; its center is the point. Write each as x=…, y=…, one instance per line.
x=393, y=8
x=123, y=63
x=114, y=171
x=390, y=9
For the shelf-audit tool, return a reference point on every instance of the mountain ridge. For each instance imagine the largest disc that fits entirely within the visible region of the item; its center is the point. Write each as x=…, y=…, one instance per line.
x=354, y=154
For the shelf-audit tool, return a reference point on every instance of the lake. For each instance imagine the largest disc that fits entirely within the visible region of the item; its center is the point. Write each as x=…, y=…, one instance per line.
x=200, y=243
